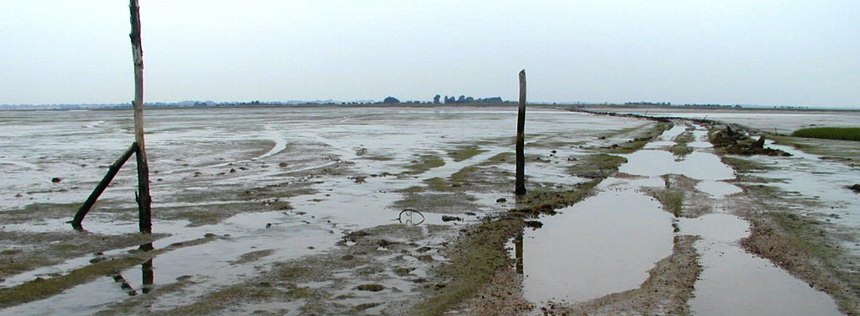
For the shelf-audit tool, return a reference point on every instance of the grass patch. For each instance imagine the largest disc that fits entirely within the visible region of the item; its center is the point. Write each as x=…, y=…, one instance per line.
x=596, y=166
x=455, y=183
x=641, y=141
x=744, y=165
x=537, y=202
x=673, y=201
x=680, y=148
x=424, y=163
x=840, y=133
x=465, y=152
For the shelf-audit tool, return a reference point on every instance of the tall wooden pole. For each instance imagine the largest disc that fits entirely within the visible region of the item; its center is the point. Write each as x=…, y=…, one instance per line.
x=521, y=126
x=144, y=201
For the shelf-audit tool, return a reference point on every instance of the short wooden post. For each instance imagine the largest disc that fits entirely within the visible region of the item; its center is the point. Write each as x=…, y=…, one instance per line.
x=144, y=201
x=521, y=126
x=100, y=188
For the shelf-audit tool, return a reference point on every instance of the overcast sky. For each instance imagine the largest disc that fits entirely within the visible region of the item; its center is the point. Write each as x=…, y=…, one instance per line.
x=728, y=52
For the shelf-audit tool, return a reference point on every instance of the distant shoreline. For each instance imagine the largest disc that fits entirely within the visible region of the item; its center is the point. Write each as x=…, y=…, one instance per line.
x=591, y=107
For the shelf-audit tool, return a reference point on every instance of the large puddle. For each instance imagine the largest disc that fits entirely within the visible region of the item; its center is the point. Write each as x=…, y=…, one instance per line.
x=604, y=244
x=608, y=243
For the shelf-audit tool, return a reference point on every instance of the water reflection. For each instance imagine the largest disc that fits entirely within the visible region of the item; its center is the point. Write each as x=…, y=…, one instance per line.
x=147, y=275
x=518, y=250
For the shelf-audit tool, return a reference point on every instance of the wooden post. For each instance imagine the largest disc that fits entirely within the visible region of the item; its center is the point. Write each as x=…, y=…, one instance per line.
x=100, y=188
x=144, y=201
x=521, y=126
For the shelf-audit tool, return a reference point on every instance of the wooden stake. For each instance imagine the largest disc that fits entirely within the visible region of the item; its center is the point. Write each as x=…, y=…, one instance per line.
x=144, y=200
x=100, y=188
x=521, y=126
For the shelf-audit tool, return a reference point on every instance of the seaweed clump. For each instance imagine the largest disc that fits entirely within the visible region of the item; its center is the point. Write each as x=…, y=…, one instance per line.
x=737, y=143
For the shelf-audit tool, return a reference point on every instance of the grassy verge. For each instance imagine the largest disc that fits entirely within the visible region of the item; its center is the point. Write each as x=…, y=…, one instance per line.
x=465, y=152
x=744, y=165
x=596, y=166
x=840, y=133
x=639, y=142
x=474, y=260
x=423, y=164
x=673, y=201
x=680, y=148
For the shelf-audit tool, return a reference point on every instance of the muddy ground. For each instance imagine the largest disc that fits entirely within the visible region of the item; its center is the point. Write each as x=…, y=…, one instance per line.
x=303, y=215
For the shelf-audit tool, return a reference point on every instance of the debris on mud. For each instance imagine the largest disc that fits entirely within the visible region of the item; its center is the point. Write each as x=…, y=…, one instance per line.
x=738, y=143
x=855, y=188
x=370, y=287
x=446, y=218
x=534, y=224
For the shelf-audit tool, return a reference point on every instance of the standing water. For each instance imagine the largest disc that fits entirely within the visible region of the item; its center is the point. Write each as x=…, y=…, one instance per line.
x=608, y=242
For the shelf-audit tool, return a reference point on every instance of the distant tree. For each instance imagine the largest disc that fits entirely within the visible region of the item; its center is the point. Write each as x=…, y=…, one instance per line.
x=470, y=99
x=436, y=99
x=390, y=100
x=461, y=99
x=449, y=100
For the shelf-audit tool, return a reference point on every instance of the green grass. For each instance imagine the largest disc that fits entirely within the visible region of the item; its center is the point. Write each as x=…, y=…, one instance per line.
x=673, y=201
x=639, y=142
x=680, y=148
x=476, y=258
x=424, y=163
x=465, y=152
x=596, y=166
x=744, y=165
x=840, y=133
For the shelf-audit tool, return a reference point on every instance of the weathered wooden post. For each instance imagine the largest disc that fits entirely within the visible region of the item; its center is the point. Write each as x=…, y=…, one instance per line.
x=100, y=188
x=144, y=201
x=521, y=126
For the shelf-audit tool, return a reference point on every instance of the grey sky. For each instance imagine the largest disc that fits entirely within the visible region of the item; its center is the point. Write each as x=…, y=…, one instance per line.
x=729, y=52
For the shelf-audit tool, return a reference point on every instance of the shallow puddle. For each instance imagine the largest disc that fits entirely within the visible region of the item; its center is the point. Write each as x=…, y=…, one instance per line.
x=715, y=227
x=607, y=244
x=735, y=282
x=697, y=165
x=604, y=244
x=718, y=189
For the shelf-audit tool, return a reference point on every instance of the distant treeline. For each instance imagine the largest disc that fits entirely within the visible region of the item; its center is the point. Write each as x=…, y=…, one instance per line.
x=437, y=99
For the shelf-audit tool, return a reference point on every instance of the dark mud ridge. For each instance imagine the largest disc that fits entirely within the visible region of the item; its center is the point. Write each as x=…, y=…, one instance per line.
x=737, y=143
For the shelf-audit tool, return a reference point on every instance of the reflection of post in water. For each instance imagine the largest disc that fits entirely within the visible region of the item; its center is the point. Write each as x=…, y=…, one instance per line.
x=146, y=270
x=123, y=284
x=148, y=276
x=518, y=249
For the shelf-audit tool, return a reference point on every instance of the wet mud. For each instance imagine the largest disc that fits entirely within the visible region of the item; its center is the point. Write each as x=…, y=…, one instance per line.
x=300, y=211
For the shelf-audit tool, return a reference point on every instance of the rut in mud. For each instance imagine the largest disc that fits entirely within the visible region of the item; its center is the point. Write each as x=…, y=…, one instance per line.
x=598, y=255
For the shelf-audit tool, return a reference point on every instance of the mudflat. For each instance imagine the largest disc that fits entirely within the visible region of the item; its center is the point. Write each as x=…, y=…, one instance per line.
x=297, y=210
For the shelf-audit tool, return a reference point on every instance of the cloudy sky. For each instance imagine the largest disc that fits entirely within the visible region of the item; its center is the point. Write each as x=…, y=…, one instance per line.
x=729, y=52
